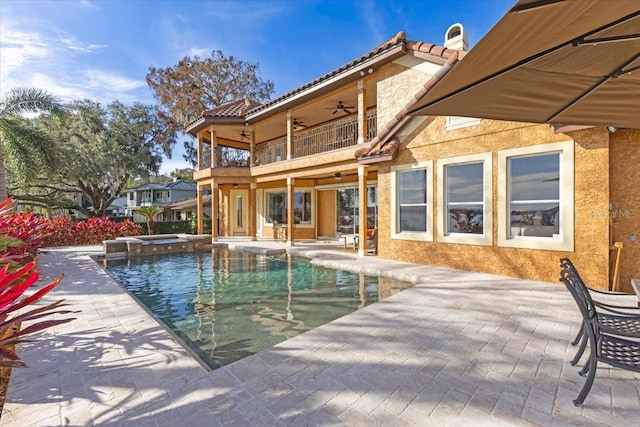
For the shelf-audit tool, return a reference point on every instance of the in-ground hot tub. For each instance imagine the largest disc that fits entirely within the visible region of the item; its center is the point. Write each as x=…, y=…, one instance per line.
x=125, y=247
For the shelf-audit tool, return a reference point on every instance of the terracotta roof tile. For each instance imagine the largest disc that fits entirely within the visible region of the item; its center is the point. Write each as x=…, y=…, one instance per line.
x=242, y=108
x=392, y=42
x=236, y=108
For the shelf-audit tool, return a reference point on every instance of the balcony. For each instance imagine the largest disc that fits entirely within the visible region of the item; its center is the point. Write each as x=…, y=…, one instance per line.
x=319, y=139
x=314, y=140
x=226, y=157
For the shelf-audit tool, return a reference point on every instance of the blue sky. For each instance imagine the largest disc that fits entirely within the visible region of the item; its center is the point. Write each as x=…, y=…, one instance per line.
x=102, y=50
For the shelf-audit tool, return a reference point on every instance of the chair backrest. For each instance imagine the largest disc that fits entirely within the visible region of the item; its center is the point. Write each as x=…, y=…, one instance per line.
x=571, y=278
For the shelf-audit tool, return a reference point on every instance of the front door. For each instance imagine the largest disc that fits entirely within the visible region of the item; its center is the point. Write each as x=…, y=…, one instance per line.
x=239, y=212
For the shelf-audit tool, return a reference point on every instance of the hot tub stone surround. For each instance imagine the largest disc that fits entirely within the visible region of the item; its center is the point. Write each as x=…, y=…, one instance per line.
x=127, y=247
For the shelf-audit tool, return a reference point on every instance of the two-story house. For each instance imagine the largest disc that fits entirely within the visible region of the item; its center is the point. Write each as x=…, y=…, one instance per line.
x=341, y=155
x=162, y=196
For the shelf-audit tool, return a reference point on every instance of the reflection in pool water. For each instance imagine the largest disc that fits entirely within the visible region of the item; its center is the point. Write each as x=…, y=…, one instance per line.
x=225, y=305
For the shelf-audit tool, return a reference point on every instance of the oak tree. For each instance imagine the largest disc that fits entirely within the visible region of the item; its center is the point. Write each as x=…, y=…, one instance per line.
x=195, y=84
x=103, y=148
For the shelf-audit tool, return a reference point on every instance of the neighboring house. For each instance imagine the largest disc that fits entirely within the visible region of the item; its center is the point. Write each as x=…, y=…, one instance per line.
x=117, y=208
x=158, y=195
x=342, y=154
x=185, y=209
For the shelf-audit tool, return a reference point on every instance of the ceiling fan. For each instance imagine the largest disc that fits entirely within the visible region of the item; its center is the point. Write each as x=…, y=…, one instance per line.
x=244, y=135
x=297, y=124
x=341, y=107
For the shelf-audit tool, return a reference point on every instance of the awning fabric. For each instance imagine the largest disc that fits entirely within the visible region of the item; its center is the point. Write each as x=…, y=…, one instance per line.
x=550, y=61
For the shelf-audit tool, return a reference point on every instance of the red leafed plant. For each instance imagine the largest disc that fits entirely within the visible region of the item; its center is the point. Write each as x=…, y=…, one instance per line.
x=22, y=233
x=65, y=232
x=13, y=285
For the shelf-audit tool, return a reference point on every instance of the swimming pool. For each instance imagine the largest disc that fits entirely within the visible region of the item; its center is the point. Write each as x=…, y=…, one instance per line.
x=225, y=304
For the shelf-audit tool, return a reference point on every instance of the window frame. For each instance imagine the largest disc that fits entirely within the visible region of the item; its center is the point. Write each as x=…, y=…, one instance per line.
x=312, y=199
x=426, y=236
x=565, y=242
x=486, y=238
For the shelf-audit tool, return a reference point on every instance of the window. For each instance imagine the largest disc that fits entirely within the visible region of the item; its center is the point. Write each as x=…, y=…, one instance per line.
x=276, y=209
x=348, y=209
x=464, y=193
x=536, y=197
x=411, y=187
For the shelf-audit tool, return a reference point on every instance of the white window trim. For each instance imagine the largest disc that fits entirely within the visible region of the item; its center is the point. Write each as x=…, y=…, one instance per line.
x=485, y=239
x=567, y=199
x=407, y=235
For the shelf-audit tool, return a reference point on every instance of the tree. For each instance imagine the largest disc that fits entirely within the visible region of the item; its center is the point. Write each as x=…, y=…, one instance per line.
x=103, y=148
x=185, y=174
x=149, y=212
x=196, y=84
x=22, y=147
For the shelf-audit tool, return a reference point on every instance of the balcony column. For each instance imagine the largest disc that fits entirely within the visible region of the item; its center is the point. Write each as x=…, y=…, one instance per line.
x=252, y=146
x=362, y=112
x=253, y=214
x=290, y=213
x=200, y=209
x=199, y=153
x=214, y=146
x=214, y=211
x=289, y=135
x=362, y=209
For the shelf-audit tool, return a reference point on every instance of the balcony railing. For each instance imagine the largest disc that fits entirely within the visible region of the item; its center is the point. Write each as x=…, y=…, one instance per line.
x=319, y=139
x=329, y=136
x=225, y=157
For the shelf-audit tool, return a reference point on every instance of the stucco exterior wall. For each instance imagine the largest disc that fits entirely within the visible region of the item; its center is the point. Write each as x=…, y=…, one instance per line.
x=591, y=193
x=624, y=160
x=396, y=87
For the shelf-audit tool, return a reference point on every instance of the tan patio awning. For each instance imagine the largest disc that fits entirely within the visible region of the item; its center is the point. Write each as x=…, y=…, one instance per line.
x=550, y=61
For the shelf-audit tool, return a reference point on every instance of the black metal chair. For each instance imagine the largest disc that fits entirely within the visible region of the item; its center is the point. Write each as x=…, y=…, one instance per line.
x=606, y=336
x=623, y=317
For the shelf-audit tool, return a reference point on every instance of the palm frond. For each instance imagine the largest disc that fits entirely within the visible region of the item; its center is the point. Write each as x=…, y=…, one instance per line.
x=30, y=100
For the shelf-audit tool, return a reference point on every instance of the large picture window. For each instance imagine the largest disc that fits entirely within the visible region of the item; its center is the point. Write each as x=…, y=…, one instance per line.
x=536, y=197
x=464, y=194
x=412, y=194
x=276, y=207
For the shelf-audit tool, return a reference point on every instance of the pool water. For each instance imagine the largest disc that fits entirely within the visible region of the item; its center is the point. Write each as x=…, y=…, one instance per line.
x=225, y=305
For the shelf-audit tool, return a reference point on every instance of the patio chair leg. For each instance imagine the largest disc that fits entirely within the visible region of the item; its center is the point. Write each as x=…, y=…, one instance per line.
x=577, y=338
x=591, y=368
x=580, y=352
x=584, y=370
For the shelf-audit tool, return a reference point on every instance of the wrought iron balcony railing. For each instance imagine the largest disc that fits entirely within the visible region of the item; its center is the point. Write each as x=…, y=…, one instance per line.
x=319, y=139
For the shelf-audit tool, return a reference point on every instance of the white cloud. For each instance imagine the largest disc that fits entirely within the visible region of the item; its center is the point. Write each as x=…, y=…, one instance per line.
x=74, y=45
x=55, y=62
x=89, y=5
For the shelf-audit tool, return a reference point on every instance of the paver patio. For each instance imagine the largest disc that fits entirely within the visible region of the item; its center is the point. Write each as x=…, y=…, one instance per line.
x=459, y=348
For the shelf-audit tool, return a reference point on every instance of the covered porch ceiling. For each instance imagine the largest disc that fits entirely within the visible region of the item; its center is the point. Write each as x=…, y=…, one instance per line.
x=311, y=113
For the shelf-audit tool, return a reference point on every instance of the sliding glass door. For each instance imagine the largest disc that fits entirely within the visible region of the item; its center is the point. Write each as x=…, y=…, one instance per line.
x=348, y=212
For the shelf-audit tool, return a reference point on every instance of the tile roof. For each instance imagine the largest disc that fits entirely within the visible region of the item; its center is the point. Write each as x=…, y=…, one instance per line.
x=243, y=108
x=236, y=108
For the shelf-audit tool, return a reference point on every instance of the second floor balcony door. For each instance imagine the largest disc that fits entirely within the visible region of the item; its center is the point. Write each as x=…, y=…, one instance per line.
x=239, y=212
